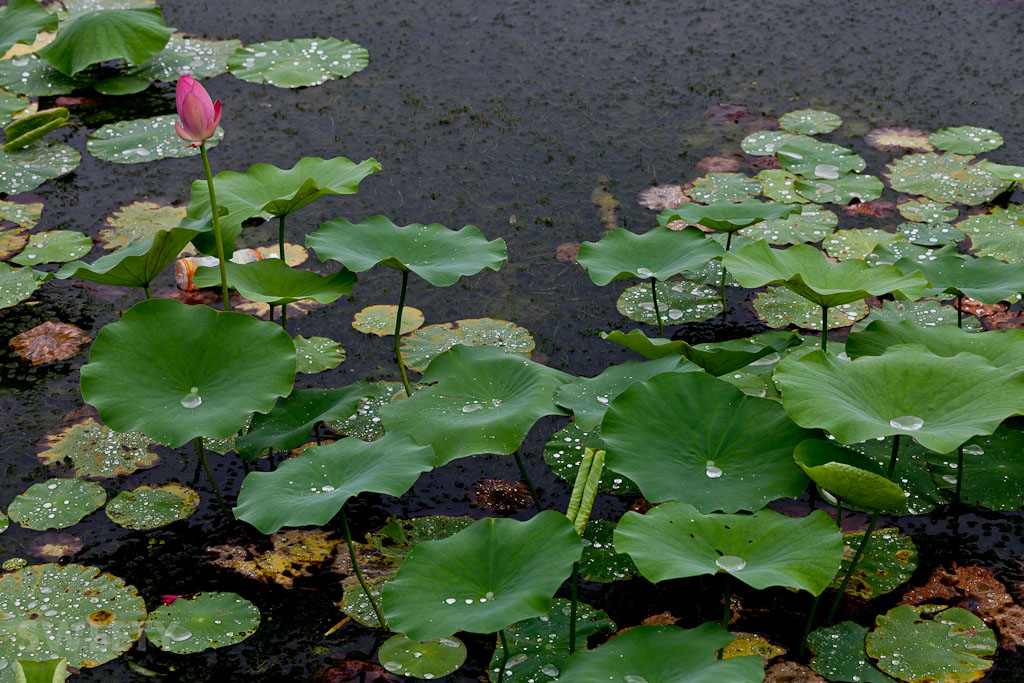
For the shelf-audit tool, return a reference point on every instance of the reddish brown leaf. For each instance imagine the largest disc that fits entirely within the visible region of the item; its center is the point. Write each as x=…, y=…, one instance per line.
x=49, y=342
x=341, y=670
x=501, y=495
x=791, y=672
x=661, y=197
x=720, y=164
x=723, y=114
x=880, y=208
x=566, y=252
x=969, y=587
x=54, y=545
x=899, y=139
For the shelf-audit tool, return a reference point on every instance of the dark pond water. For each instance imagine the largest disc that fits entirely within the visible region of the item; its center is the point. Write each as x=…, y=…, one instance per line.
x=506, y=115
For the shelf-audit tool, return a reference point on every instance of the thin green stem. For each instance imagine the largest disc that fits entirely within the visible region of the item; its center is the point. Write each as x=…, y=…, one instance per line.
x=839, y=514
x=271, y=314
x=960, y=310
x=809, y=623
x=504, y=657
x=727, y=613
x=959, y=471
x=284, y=316
x=892, y=458
x=824, y=329
x=359, y=574
x=728, y=243
x=201, y=452
x=657, y=311
x=574, y=587
x=398, y=332
x=145, y=288
x=853, y=566
x=216, y=229
x=280, y=250
x=529, y=482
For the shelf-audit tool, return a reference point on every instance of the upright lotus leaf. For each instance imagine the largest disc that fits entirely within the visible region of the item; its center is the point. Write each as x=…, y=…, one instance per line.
x=727, y=216
x=43, y=606
x=54, y=246
x=175, y=372
x=28, y=168
x=895, y=393
x=134, y=35
x=274, y=282
x=151, y=507
x=480, y=400
x=689, y=436
x=664, y=654
x=28, y=129
x=931, y=644
x=588, y=397
x=317, y=354
x=298, y=63
x=430, y=659
x=993, y=470
x=18, y=284
x=182, y=54
x=135, y=265
x=1001, y=348
x=56, y=504
x=202, y=622
x=997, y=233
x=887, y=563
x=495, y=573
x=814, y=159
x=267, y=191
x=141, y=140
x=311, y=488
x=723, y=187
x=21, y=21
x=426, y=344
x=849, y=476
x=438, y=255
x=659, y=253
x=289, y=424
x=810, y=122
x=805, y=270
x=839, y=654
x=948, y=178
x=674, y=540
x=966, y=139
x=986, y=279
x=1008, y=173
x=841, y=189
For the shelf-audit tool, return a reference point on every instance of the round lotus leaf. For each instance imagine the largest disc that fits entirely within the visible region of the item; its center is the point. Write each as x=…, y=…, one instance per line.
x=809, y=122
x=139, y=221
x=887, y=563
x=678, y=302
x=422, y=346
x=272, y=281
x=73, y=612
x=930, y=234
x=726, y=216
x=912, y=472
x=30, y=167
x=664, y=654
x=966, y=139
x=993, y=474
x=723, y=187
x=135, y=265
x=298, y=63
x=849, y=476
x=317, y=354
x=931, y=644
x=89, y=38
x=538, y=647
x=780, y=307
x=659, y=253
x=998, y=233
x=182, y=55
x=151, y=507
x=121, y=85
x=689, y=436
x=564, y=452
x=507, y=571
x=926, y=312
x=380, y=319
x=841, y=189
x=813, y=224
x=600, y=563
x=924, y=210
x=202, y=622
x=94, y=450
x=813, y=159
x=764, y=142
x=839, y=654
x=430, y=659
x=24, y=214
x=31, y=75
x=857, y=244
x=948, y=178
x=175, y=372
x=55, y=246
x=365, y=422
x=17, y=284
x=141, y=140
x=56, y=504
x=777, y=184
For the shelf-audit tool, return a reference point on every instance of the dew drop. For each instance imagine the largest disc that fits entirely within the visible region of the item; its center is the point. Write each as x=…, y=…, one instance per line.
x=731, y=563
x=974, y=449
x=949, y=478
x=711, y=471
x=908, y=423
x=471, y=407
x=177, y=633
x=630, y=678
x=549, y=670
x=644, y=272
x=515, y=660
x=192, y=399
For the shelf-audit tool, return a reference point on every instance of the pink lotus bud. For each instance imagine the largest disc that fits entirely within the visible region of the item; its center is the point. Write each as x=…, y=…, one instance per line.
x=168, y=599
x=198, y=115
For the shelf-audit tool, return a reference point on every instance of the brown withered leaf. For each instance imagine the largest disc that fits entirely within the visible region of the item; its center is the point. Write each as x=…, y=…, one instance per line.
x=606, y=203
x=1009, y=622
x=54, y=545
x=880, y=208
x=791, y=672
x=341, y=670
x=661, y=197
x=724, y=114
x=720, y=164
x=763, y=163
x=663, y=619
x=501, y=495
x=969, y=587
x=899, y=139
x=566, y=252
x=282, y=558
x=49, y=343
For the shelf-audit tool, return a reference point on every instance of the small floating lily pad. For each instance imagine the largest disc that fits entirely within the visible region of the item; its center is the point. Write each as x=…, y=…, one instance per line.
x=431, y=659
x=564, y=452
x=380, y=320
x=998, y=233
x=121, y=85
x=94, y=450
x=857, y=244
x=678, y=302
x=899, y=139
x=778, y=184
x=182, y=55
x=888, y=562
x=139, y=221
x=141, y=140
x=56, y=504
x=33, y=76
x=811, y=158
x=729, y=187
x=924, y=210
x=839, y=654
x=764, y=142
x=927, y=313
x=151, y=507
x=28, y=168
x=809, y=122
x=298, y=63
x=840, y=190
x=202, y=622
x=779, y=307
x=966, y=139
x=948, y=178
x=812, y=224
x=23, y=214
x=55, y=246
x=423, y=345
x=930, y=234
x=317, y=354
x=17, y=284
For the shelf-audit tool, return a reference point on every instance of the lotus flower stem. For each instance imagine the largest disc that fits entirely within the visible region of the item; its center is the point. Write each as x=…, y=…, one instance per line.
x=853, y=566
x=824, y=329
x=892, y=458
x=280, y=251
x=574, y=606
x=529, y=483
x=504, y=653
x=216, y=228
x=398, y=332
x=728, y=243
x=657, y=312
x=359, y=574
x=959, y=470
x=201, y=452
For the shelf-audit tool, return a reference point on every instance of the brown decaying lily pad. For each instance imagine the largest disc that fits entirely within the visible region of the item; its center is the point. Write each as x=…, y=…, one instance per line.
x=879, y=208
x=281, y=558
x=501, y=495
x=969, y=587
x=899, y=139
x=725, y=114
x=198, y=297
x=566, y=252
x=12, y=241
x=54, y=545
x=791, y=672
x=763, y=163
x=663, y=619
x=720, y=164
x=260, y=310
x=49, y=343
x=93, y=449
x=1009, y=622
x=605, y=202
x=341, y=670
x=294, y=254
x=661, y=197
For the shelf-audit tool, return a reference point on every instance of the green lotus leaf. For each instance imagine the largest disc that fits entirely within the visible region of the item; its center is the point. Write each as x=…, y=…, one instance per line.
x=931, y=644
x=1008, y=173
x=912, y=472
x=924, y=210
x=92, y=449
x=723, y=187
x=28, y=129
x=135, y=265
x=1001, y=348
x=381, y=320
x=56, y=504
x=312, y=487
x=842, y=189
x=50, y=671
x=948, y=178
x=365, y=423
x=764, y=142
x=600, y=562
x=27, y=169
x=726, y=216
x=438, y=255
x=139, y=221
x=89, y=38
x=678, y=302
x=998, y=233
x=752, y=384
x=272, y=281
x=588, y=397
x=54, y=246
x=839, y=654
x=659, y=253
x=777, y=184
x=809, y=122
x=664, y=654
x=142, y=140
x=77, y=599
x=538, y=647
x=689, y=436
x=492, y=574
x=202, y=622
x=175, y=372
x=398, y=537
x=482, y=400
x=298, y=63
x=674, y=540
x=986, y=279
x=4, y=522
x=812, y=224
x=21, y=21
x=75, y=7
x=813, y=159
x=877, y=396
x=31, y=75
x=151, y=507
x=430, y=659
x=18, y=284
x=317, y=354
x=887, y=563
x=966, y=139
x=711, y=274
x=564, y=452
x=993, y=470
x=423, y=345
x=926, y=312
x=931, y=234
x=11, y=104
x=355, y=604
x=780, y=307
x=185, y=55
x=858, y=244
x=121, y=85
x=849, y=476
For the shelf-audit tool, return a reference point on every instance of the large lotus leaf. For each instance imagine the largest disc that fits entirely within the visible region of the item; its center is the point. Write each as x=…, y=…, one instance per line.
x=18, y=284
x=805, y=270
x=678, y=302
x=689, y=436
x=288, y=425
x=317, y=354
x=481, y=400
x=840, y=190
x=538, y=648
x=175, y=372
x=674, y=540
x=993, y=471
x=659, y=253
x=56, y=504
x=31, y=75
x=723, y=187
x=812, y=224
x=966, y=139
x=926, y=312
x=21, y=20
x=93, y=450
x=272, y=281
x=948, y=178
x=931, y=644
x=424, y=345
x=313, y=487
x=151, y=507
x=564, y=452
x=588, y=397
x=777, y=184
x=999, y=234
x=490, y=575
x=912, y=472
x=54, y=246
x=780, y=307
x=809, y=121
x=266, y=190
x=763, y=142
x=427, y=660
x=849, y=476
x=839, y=654
x=814, y=159
x=73, y=612
x=135, y=265
x=438, y=255
x=184, y=55
x=894, y=393
x=858, y=244
x=664, y=654
x=28, y=168
x=298, y=63
x=1001, y=348
x=141, y=140
x=986, y=279
x=134, y=35
x=886, y=564
x=201, y=622
x=727, y=216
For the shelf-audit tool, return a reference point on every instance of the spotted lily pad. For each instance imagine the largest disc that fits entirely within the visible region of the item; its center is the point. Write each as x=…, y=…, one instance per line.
x=55, y=246
x=423, y=345
x=839, y=654
x=31, y=75
x=764, y=142
x=931, y=234
x=948, y=178
x=841, y=189
x=202, y=622
x=778, y=184
x=141, y=140
x=317, y=354
x=17, y=284
x=56, y=504
x=966, y=139
x=812, y=224
x=139, y=221
x=430, y=659
x=380, y=319
x=151, y=507
x=780, y=307
x=888, y=562
x=924, y=210
x=94, y=450
x=678, y=301
x=182, y=55
x=857, y=244
x=993, y=473
x=23, y=214
x=809, y=122
x=298, y=63
x=927, y=313
x=280, y=559
x=812, y=159
x=728, y=187
x=999, y=233
x=659, y=253
x=564, y=452
x=28, y=168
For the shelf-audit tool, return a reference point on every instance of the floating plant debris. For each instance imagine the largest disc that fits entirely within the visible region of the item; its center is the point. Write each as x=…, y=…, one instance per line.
x=49, y=342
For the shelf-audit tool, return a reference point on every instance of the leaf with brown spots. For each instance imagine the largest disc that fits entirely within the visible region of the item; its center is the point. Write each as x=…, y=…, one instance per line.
x=661, y=197
x=49, y=343
x=969, y=587
x=92, y=449
x=282, y=558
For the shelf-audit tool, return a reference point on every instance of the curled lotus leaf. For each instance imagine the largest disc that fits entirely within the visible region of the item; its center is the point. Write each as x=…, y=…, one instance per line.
x=849, y=476
x=54, y=246
x=424, y=345
x=998, y=233
x=777, y=184
x=201, y=622
x=139, y=221
x=1001, y=348
x=94, y=450
x=380, y=320
x=814, y=159
x=912, y=472
x=888, y=562
x=678, y=302
x=135, y=265
x=563, y=453
x=317, y=354
x=809, y=122
x=812, y=224
x=726, y=216
x=966, y=139
x=723, y=187
x=151, y=507
x=429, y=659
x=182, y=55
x=948, y=178
x=298, y=63
x=839, y=654
x=272, y=281
x=56, y=504
x=21, y=21
x=659, y=253
x=141, y=140
x=780, y=307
